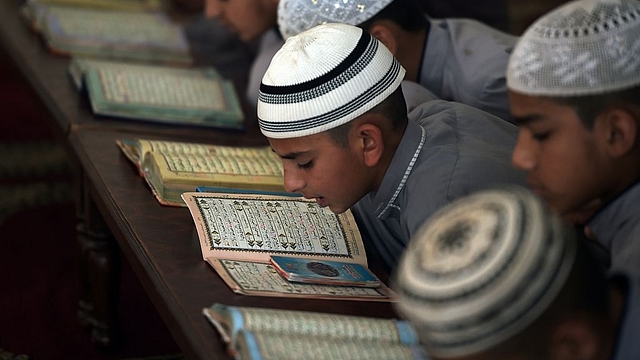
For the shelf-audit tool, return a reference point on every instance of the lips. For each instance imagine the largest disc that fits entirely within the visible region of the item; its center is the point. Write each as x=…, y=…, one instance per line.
x=322, y=201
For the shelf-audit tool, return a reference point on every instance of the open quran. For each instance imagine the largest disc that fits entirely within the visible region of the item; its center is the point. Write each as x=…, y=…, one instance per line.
x=259, y=333
x=148, y=36
x=180, y=96
x=171, y=168
x=239, y=233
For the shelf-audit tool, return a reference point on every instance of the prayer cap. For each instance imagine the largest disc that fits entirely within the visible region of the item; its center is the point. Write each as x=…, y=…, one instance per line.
x=322, y=78
x=584, y=47
x=296, y=16
x=482, y=269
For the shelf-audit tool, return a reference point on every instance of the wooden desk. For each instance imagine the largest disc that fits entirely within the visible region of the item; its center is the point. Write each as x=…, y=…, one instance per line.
x=116, y=210
x=161, y=245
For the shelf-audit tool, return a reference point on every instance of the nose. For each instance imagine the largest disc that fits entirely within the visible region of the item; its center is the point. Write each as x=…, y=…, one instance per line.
x=212, y=8
x=523, y=156
x=292, y=181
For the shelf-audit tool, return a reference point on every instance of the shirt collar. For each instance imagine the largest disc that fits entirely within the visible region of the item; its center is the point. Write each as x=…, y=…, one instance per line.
x=607, y=223
x=399, y=169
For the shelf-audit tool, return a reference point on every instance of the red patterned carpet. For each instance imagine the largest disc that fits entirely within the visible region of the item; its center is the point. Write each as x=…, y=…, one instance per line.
x=38, y=272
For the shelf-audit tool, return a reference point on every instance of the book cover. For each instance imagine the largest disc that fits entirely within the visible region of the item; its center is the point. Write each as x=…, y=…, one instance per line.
x=164, y=94
x=324, y=272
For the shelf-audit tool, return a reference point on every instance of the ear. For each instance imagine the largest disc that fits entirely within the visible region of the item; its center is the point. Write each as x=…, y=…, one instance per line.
x=370, y=143
x=620, y=129
x=381, y=32
x=574, y=339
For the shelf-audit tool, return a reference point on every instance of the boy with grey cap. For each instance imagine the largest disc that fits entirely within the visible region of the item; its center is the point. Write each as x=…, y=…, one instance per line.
x=332, y=108
x=496, y=276
x=459, y=60
x=574, y=82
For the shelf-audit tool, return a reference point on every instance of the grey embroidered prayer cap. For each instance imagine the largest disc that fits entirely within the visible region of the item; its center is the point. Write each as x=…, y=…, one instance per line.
x=296, y=16
x=482, y=269
x=325, y=77
x=581, y=48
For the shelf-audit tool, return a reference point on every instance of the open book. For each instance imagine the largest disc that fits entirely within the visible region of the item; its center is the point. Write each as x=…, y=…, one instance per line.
x=259, y=333
x=238, y=233
x=173, y=95
x=113, y=34
x=171, y=168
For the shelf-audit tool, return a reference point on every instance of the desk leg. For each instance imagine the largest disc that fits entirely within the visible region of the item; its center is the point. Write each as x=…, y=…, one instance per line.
x=100, y=265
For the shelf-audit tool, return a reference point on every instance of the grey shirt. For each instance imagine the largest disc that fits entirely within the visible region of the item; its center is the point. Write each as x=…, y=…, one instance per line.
x=447, y=151
x=466, y=61
x=617, y=228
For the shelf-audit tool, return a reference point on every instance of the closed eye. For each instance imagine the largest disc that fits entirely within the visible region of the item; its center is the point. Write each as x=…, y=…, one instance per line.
x=305, y=166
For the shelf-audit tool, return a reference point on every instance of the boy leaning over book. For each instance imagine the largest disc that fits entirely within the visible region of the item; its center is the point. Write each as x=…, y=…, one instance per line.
x=497, y=276
x=332, y=108
x=574, y=80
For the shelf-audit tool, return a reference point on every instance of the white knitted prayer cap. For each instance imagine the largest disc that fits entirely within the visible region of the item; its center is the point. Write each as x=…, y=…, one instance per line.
x=322, y=78
x=296, y=16
x=481, y=270
x=584, y=47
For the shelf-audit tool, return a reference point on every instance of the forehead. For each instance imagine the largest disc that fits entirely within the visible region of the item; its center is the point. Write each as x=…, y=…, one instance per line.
x=305, y=144
x=526, y=109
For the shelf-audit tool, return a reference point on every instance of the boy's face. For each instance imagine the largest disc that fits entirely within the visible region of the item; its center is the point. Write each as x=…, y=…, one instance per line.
x=248, y=19
x=563, y=160
x=319, y=168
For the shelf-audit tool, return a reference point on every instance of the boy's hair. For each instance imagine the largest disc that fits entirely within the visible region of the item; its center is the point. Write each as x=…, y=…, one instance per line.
x=588, y=107
x=405, y=13
x=393, y=108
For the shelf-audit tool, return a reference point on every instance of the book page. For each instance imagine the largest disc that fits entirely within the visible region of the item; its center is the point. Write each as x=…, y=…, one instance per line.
x=114, y=27
x=253, y=227
x=260, y=279
x=287, y=347
x=220, y=163
x=162, y=87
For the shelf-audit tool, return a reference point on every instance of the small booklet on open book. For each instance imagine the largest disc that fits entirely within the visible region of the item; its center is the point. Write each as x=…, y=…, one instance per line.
x=239, y=233
x=171, y=168
x=325, y=272
x=260, y=333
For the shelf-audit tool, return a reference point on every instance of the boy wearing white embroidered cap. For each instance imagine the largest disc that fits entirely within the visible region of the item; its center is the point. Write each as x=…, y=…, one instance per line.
x=496, y=276
x=332, y=108
x=574, y=81
x=459, y=60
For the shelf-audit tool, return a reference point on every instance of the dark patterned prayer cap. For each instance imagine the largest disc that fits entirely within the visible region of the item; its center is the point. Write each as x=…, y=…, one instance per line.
x=322, y=78
x=296, y=16
x=584, y=47
x=482, y=269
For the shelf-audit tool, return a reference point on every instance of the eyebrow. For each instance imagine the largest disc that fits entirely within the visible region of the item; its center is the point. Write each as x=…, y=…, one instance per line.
x=522, y=120
x=290, y=156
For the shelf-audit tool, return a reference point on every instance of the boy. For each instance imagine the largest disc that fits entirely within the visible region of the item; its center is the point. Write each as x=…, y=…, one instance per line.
x=250, y=20
x=332, y=108
x=460, y=60
x=496, y=276
x=575, y=91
